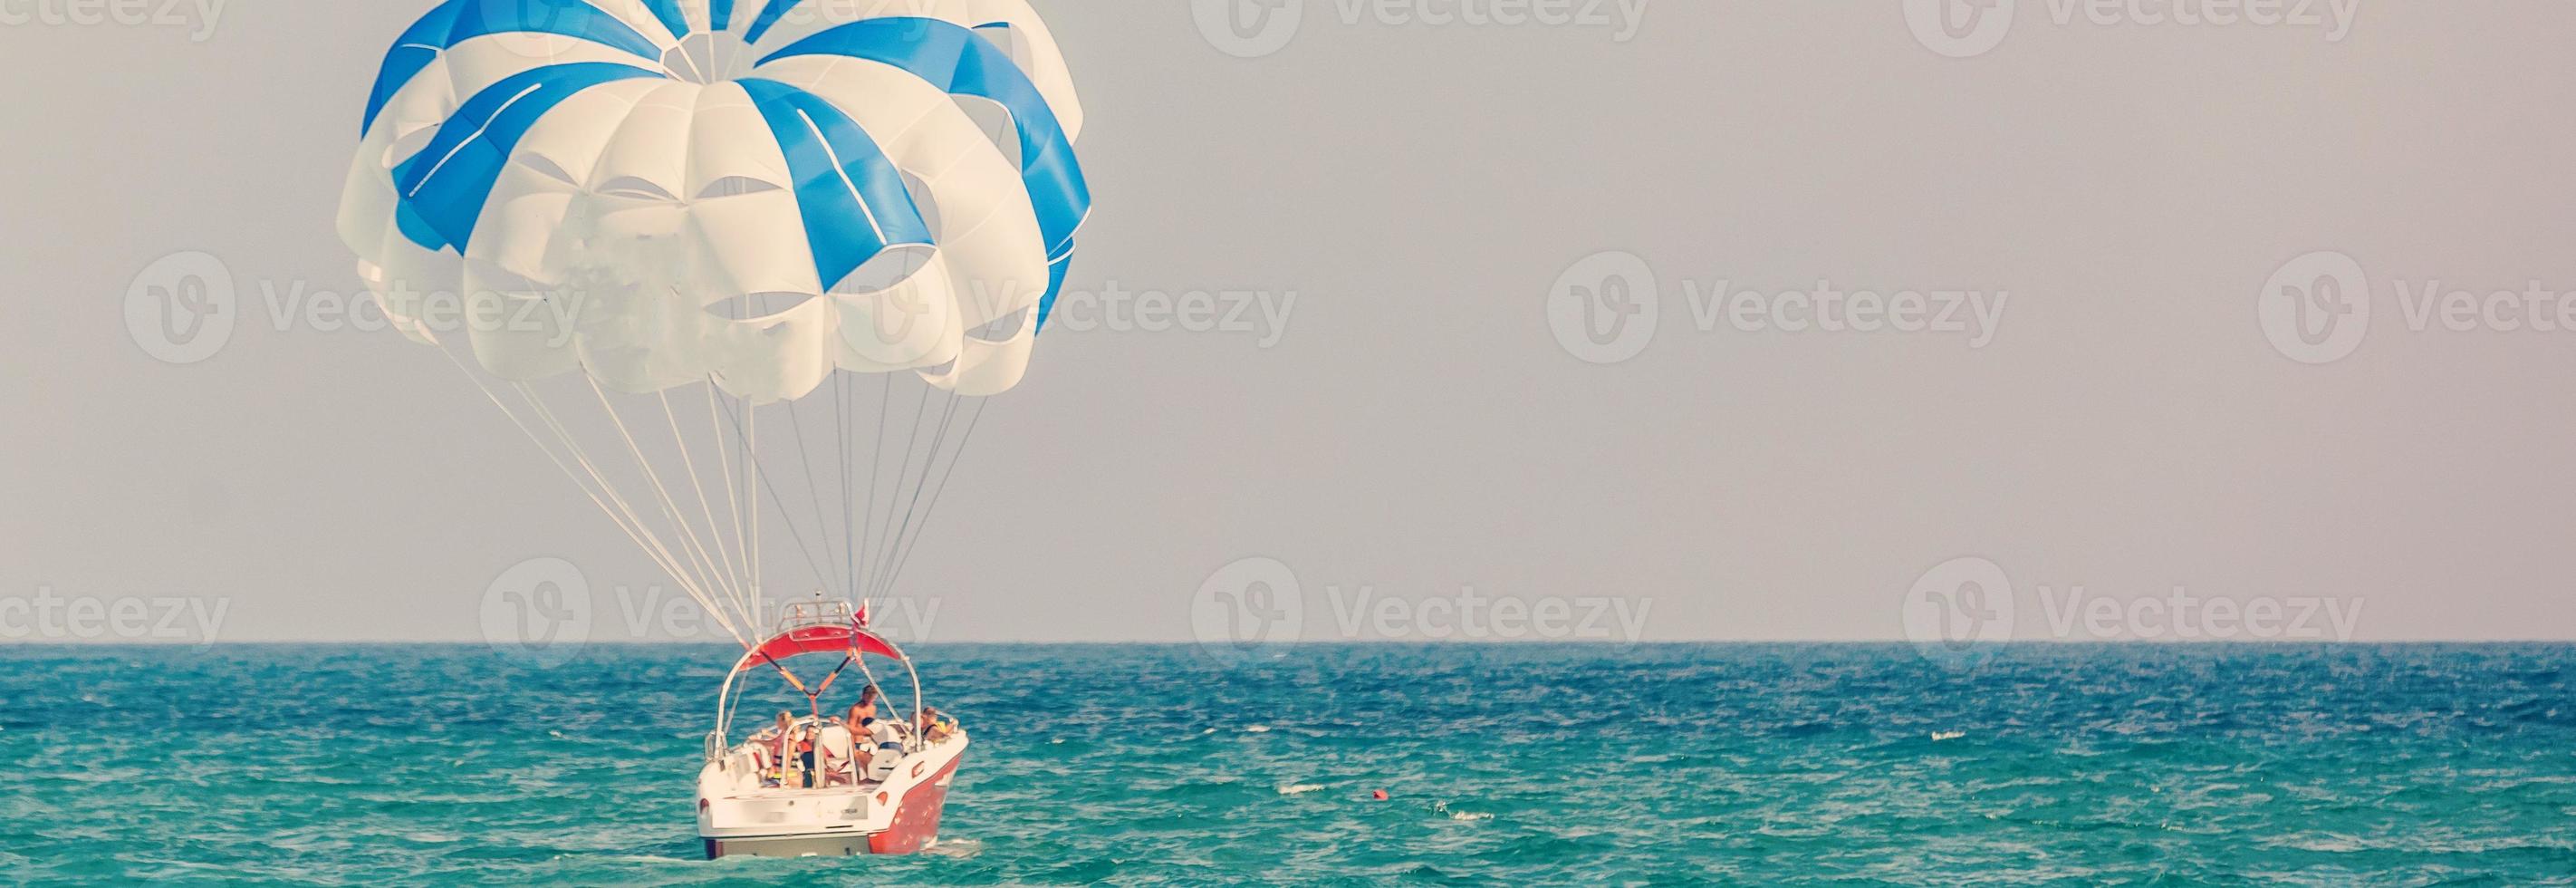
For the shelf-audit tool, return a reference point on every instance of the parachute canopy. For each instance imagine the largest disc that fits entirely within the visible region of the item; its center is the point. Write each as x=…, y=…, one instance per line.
x=800, y=207
x=757, y=193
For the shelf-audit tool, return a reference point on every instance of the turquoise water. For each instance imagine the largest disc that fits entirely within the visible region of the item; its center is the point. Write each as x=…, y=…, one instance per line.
x=1731, y=764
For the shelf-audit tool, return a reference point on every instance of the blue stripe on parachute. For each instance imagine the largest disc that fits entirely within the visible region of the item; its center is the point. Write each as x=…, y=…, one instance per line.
x=768, y=17
x=961, y=62
x=444, y=187
x=417, y=47
x=669, y=12
x=720, y=15
x=458, y=21
x=1055, y=286
x=843, y=180
x=1059, y=266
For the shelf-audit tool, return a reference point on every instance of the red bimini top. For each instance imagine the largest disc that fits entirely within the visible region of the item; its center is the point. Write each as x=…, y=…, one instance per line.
x=818, y=639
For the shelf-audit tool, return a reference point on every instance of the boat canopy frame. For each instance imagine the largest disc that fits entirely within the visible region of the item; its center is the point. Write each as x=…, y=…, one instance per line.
x=825, y=627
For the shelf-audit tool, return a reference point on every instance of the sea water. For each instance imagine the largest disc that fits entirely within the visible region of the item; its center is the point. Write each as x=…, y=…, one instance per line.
x=1725, y=764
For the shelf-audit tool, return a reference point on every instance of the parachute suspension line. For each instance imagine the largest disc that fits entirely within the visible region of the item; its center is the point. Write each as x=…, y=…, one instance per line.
x=563, y=435
x=813, y=498
x=639, y=537
x=849, y=508
x=733, y=499
x=690, y=545
x=643, y=534
x=746, y=517
x=885, y=561
x=751, y=462
x=903, y=553
x=745, y=569
x=876, y=457
x=923, y=492
x=876, y=482
x=732, y=576
x=748, y=427
x=878, y=550
x=689, y=464
x=840, y=478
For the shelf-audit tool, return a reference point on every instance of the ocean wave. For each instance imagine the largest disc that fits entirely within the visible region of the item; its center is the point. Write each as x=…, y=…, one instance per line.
x=1756, y=764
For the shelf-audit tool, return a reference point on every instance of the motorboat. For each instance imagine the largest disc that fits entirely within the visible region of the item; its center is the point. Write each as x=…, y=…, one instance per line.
x=811, y=784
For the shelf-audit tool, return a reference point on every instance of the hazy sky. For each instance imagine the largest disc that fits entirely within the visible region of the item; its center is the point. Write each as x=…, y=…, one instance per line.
x=2123, y=191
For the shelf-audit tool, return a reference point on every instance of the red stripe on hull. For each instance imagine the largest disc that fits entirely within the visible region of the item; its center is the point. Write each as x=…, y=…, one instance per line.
x=916, y=822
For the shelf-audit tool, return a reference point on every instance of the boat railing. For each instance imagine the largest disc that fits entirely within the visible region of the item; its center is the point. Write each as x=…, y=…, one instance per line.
x=816, y=613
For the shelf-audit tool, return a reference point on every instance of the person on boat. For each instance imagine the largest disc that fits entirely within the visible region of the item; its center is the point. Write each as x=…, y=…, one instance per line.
x=935, y=725
x=769, y=750
x=792, y=750
x=863, y=719
x=806, y=753
x=879, y=740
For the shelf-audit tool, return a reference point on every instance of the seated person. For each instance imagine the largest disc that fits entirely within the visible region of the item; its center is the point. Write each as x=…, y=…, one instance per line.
x=807, y=775
x=777, y=747
x=936, y=726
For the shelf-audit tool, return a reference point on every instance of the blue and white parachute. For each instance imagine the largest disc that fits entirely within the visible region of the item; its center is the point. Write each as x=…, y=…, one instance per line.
x=757, y=192
x=749, y=205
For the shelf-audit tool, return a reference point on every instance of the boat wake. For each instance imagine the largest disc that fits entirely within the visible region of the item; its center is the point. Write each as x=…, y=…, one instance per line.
x=958, y=848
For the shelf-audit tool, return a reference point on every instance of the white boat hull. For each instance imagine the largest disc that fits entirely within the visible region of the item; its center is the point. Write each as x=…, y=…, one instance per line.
x=900, y=815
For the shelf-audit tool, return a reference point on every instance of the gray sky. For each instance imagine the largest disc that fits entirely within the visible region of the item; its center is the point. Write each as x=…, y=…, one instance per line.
x=1419, y=425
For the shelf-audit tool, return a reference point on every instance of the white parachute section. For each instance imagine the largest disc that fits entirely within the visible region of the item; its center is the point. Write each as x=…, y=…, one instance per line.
x=744, y=269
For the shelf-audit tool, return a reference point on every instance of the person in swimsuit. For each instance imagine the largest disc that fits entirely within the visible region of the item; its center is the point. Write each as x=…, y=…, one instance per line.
x=779, y=748
x=804, y=747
